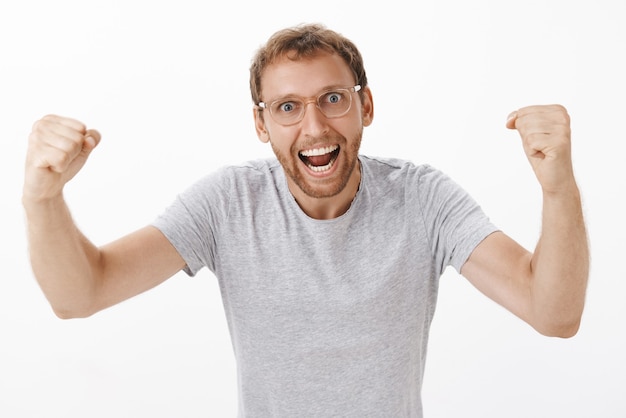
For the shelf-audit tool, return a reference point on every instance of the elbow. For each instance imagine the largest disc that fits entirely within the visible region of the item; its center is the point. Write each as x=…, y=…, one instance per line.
x=561, y=329
x=71, y=312
x=73, y=305
x=65, y=314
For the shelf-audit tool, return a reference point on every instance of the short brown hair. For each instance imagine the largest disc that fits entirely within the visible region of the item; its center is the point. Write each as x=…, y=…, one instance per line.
x=304, y=41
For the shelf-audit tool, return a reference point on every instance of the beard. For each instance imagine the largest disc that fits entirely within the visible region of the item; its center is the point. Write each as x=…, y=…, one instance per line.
x=328, y=187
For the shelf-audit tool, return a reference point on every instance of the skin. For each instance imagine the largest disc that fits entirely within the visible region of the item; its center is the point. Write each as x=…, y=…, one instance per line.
x=320, y=195
x=546, y=288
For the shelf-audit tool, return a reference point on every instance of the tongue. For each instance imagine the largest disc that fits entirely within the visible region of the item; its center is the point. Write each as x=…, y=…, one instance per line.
x=319, y=160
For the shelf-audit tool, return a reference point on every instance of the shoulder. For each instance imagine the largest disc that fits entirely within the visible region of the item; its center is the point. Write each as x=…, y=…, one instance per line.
x=418, y=185
x=227, y=188
x=252, y=168
x=247, y=174
x=399, y=170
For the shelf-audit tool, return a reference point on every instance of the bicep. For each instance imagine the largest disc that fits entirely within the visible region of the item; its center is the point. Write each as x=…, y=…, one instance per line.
x=134, y=264
x=500, y=268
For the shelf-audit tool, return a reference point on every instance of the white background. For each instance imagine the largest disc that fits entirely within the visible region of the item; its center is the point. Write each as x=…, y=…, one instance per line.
x=166, y=83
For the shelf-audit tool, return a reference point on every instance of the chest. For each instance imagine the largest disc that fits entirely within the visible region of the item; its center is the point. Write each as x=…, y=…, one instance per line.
x=364, y=273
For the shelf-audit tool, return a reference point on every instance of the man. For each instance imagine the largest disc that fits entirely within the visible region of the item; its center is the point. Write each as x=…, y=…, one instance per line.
x=328, y=261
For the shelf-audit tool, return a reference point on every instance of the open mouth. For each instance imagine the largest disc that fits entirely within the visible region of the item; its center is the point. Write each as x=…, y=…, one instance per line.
x=320, y=159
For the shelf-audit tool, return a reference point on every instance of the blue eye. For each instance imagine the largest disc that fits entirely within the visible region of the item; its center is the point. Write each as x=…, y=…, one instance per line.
x=334, y=98
x=286, y=107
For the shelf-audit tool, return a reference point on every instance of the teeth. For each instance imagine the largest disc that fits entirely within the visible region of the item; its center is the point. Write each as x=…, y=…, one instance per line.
x=321, y=168
x=319, y=151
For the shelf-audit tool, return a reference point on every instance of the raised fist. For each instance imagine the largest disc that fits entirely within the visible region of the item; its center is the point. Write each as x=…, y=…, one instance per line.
x=58, y=147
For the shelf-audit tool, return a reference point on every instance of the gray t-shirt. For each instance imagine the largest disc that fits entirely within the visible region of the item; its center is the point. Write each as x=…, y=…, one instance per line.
x=328, y=318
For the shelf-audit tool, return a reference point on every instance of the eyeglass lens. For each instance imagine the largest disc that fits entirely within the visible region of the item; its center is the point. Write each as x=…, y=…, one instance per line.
x=332, y=104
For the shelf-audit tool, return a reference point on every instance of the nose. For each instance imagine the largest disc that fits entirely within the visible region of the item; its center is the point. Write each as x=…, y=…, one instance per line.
x=313, y=122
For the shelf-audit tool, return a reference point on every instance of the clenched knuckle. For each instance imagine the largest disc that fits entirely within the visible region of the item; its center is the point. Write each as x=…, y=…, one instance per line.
x=61, y=161
x=39, y=125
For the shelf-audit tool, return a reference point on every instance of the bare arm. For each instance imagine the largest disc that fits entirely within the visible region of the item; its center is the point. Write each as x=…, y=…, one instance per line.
x=78, y=278
x=545, y=288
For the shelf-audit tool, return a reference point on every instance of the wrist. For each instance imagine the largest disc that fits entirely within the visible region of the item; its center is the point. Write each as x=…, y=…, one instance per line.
x=34, y=204
x=565, y=190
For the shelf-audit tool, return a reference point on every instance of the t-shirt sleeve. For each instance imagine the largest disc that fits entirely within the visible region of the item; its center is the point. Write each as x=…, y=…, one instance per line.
x=456, y=224
x=192, y=220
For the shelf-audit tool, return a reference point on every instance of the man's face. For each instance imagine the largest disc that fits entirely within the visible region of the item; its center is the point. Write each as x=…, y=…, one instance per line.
x=319, y=154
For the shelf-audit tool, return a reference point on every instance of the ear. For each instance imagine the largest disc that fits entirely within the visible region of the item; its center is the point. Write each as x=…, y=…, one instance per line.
x=259, y=125
x=367, y=107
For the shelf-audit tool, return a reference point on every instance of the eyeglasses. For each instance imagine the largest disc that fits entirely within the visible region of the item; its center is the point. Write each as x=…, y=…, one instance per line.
x=290, y=110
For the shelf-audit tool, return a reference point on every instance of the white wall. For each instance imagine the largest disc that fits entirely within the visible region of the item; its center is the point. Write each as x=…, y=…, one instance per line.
x=166, y=84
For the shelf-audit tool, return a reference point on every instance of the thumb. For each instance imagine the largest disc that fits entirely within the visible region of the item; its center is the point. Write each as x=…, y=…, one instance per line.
x=90, y=142
x=92, y=139
x=511, y=120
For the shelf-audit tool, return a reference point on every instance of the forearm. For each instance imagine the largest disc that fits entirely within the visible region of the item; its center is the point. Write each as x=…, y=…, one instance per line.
x=560, y=265
x=64, y=262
